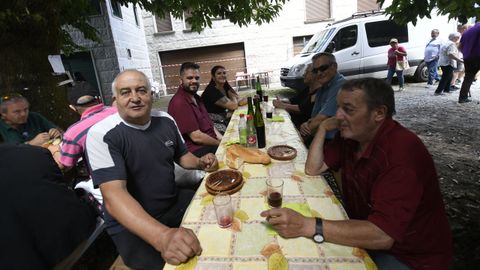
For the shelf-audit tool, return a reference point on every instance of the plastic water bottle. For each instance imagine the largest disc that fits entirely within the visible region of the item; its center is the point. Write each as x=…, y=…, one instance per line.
x=251, y=133
x=242, y=130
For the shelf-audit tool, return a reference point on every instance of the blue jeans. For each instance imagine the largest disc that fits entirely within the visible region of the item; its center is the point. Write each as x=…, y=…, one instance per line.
x=391, y=71
x=385, y=261
x=432, y=67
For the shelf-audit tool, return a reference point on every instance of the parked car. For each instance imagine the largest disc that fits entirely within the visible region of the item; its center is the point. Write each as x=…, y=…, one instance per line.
x=360, y=44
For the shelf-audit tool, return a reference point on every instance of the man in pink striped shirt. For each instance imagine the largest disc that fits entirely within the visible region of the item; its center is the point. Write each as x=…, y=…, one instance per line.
x=83, y=99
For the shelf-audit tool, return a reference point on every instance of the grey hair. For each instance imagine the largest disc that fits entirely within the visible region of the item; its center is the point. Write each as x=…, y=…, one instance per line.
x=454, y=35
x=14, y=99
x=114, y=90
x=331, y=58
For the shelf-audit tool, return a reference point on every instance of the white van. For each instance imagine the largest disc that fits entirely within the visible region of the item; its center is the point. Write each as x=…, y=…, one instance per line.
x=360, y=44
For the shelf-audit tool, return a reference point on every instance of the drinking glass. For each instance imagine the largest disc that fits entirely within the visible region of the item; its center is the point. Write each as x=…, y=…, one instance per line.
x=274, y=192
x=223, y=209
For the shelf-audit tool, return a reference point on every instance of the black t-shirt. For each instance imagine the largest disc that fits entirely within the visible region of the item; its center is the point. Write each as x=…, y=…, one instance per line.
x=142, y=155
x=42, y=221
x=305, y=104
x=210, y=96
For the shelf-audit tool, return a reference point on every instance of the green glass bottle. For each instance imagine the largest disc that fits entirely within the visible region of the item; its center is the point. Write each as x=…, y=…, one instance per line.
x=259, y=125
x=250, y=106
x=258, y=87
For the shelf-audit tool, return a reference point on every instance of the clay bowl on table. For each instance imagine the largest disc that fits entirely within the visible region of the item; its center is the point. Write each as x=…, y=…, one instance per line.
x=229, y=181
x=282, y=152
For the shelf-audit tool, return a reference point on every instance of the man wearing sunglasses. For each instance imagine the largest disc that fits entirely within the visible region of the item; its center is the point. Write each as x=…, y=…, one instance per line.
x=325, y=73
x=191, y=115
x=19, y=125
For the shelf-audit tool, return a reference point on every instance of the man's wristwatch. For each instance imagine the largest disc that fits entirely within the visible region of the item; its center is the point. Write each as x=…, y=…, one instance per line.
x=318, y=236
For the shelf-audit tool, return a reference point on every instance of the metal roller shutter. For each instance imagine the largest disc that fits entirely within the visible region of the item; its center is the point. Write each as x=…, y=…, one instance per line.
x=231, y=56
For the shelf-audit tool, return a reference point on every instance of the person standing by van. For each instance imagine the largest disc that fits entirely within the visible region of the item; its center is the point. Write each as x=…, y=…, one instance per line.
x=448, y=62
x=396, y=54
x=432, y=54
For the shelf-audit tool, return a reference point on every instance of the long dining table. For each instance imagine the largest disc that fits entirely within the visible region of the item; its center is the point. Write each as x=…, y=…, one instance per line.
x=249, y=243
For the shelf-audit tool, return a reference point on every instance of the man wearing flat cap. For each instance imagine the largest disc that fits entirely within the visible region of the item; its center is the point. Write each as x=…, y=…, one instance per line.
x=83, y=99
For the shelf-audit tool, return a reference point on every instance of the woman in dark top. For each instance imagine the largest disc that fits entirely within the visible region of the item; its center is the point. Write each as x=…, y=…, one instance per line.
x=220, y=99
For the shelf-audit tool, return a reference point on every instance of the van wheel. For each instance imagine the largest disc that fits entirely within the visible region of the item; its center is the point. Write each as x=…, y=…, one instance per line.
x=421, y=74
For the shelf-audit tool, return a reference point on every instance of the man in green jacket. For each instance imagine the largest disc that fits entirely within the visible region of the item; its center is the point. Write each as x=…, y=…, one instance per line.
x=19, y=125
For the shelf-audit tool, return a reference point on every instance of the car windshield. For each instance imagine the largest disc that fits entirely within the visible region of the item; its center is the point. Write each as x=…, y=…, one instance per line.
x=318, y=40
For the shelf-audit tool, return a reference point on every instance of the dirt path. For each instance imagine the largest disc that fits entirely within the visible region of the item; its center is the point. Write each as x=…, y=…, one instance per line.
x=451, y=132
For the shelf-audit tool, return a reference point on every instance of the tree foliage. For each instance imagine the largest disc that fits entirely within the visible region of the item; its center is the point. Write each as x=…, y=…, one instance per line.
x=404, y=11
x=32, y=29
x=240, y=12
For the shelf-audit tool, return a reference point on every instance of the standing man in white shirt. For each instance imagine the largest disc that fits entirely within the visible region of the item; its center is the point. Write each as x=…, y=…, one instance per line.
x=432, y=54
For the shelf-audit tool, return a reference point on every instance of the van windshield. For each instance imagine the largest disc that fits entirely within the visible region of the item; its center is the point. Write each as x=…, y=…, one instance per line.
x=318, y=40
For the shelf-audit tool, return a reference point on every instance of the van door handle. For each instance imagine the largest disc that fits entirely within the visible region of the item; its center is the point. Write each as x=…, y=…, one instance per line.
x=355, y=53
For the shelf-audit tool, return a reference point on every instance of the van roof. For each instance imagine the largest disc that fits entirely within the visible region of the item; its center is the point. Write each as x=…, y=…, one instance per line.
x=360, y=16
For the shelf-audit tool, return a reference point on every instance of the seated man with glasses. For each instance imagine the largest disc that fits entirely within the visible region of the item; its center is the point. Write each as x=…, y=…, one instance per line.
x=324, y=69
x=19, y=125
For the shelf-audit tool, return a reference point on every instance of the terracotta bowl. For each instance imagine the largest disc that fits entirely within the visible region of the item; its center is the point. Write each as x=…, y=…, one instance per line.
x=282, y=152
x=224, y=181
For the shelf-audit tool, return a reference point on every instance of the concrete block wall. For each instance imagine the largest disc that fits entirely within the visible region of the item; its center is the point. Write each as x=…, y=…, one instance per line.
x=266, y=46
x=127, y=35
x=117, y=35
x=104, y=54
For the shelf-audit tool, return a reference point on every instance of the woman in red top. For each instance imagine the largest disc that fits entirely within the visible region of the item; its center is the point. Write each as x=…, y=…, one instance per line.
x=395, y=53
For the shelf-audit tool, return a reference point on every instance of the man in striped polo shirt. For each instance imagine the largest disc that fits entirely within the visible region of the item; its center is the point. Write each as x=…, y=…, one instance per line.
x=83, y=99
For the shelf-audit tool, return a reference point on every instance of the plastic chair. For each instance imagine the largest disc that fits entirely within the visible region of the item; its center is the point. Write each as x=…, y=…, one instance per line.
x=242, y=77
x=69, y=261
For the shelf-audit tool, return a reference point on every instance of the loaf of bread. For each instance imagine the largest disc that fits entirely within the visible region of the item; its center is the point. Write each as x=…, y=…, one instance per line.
x=237, y=154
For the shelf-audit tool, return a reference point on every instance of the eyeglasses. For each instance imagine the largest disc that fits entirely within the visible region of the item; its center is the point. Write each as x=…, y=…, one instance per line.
x=9, y=97
x=321, y=68
x=191, y=78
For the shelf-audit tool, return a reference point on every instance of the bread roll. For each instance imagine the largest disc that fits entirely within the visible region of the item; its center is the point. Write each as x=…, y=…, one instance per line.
x=237, y=154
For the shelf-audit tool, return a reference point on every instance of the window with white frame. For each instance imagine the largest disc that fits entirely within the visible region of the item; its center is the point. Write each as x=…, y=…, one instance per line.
x=299, y=43
x=187, y=14
x=317, y=10
x=163, y=24
x=366, y=5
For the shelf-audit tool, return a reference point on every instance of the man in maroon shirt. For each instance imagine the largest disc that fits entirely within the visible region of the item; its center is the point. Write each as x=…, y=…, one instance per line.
x=389, y=183
x=188, y=110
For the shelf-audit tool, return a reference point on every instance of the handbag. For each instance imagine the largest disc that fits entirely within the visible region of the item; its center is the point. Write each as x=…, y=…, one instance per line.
x=402, y=65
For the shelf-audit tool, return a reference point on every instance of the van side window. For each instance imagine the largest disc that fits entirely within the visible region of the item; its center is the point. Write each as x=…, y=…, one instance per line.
x=380, y=33
x=345, y=38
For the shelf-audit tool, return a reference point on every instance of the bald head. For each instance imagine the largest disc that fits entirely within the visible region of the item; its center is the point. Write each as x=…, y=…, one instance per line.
x=129, y=71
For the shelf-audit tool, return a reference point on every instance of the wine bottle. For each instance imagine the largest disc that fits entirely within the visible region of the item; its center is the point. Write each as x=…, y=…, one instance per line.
x=259, y=125
x=258, y=87
x=250, y=106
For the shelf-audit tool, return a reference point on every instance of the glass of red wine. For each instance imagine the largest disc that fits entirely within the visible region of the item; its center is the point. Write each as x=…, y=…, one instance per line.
x=274, y=192
x=223, y=209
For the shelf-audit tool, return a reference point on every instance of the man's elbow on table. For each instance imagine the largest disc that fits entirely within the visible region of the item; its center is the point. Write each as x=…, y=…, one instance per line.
x=313, y=170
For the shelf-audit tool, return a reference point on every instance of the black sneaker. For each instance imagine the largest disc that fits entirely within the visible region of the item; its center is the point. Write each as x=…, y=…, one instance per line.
x=464, y=100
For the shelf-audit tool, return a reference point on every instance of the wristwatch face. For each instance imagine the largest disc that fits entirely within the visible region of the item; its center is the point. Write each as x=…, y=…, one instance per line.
x=318, y=238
